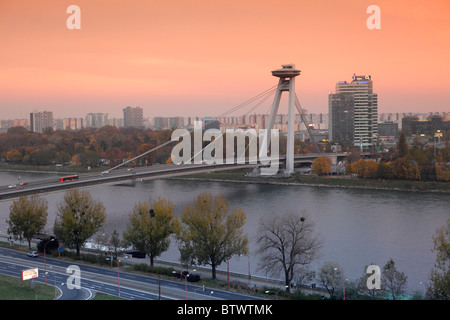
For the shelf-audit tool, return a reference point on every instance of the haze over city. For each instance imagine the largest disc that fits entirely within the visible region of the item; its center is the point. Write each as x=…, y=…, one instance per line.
x=188, y=58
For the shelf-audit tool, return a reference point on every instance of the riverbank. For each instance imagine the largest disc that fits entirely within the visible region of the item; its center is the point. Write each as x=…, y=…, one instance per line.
x=299, y=179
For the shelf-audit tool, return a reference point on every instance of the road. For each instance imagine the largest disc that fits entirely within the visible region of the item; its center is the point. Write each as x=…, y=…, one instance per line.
x=110, y=281
x=23, y=188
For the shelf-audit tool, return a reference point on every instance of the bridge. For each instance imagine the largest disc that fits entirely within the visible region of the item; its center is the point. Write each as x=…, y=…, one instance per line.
x=137, y=174
x=119, y=173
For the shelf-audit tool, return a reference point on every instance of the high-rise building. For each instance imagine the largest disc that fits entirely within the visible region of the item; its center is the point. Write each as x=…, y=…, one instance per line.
x=97, y=120
x=161, y=123
x=341, y=118
x=40, y=120
x=365, y=109
x=133, y=117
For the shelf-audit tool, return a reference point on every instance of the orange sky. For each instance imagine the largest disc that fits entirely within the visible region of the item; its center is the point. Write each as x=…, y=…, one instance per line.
x=188, y=57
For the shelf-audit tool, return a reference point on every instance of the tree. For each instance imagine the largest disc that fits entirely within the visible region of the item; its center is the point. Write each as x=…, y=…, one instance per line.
x=321, y=166
x=393, y=281
x=401, y=168
x=402, y=146
x=27, y=216
x=150, y=225
x=41, y=156
x=330, y=276
x=212, y=231
x=371, y=169
x=385, y=170
x=285, y=243
x=439, y=288
x=363, y=287
x=62, y=157
x=14, y=156
x=111, y=241
x=78, y=218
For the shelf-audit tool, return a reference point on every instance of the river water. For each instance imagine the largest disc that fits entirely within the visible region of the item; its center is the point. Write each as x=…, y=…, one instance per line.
x=357, y=227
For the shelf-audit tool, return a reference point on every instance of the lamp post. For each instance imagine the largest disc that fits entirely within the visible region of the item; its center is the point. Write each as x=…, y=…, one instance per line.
x=45, y=259
x=228, y=273
x=54, y=280
x=118, y=277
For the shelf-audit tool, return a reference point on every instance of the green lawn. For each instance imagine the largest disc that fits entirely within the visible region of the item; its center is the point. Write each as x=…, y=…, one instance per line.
x=16, y=289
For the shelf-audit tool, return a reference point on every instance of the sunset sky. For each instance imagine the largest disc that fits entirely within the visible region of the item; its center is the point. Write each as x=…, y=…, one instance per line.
x=202, y=58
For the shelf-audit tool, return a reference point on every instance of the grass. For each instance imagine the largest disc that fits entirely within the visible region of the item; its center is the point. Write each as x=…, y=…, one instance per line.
x=16, y=289
x=103, y=296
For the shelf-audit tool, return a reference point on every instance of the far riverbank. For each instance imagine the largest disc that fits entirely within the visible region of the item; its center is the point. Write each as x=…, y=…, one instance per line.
x=240, y=176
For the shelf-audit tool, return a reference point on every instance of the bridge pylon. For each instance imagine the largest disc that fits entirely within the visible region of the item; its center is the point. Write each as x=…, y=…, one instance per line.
x=286, y=82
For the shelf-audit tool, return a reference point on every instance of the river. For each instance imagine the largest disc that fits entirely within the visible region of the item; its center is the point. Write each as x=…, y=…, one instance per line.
x=357, y=227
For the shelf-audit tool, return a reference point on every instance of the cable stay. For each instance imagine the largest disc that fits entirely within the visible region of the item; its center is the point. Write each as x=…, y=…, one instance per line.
x=303, y=119
x=266, y=94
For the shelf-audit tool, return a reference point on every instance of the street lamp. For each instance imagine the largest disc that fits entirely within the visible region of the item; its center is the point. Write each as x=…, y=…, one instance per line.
x=118, y=277
x=45, y=259
x=54, y=279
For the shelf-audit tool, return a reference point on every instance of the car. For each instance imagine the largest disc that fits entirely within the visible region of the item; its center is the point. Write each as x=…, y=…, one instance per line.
x=33, y=254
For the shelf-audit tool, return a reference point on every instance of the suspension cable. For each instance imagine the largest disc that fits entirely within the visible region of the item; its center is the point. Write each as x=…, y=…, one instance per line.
x=266, y=92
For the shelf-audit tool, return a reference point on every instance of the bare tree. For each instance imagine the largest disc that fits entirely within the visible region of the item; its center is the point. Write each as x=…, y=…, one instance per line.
x=285, y=243
x=330, y=276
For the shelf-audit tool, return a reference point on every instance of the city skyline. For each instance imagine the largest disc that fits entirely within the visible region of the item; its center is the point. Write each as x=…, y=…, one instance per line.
x=188, y=58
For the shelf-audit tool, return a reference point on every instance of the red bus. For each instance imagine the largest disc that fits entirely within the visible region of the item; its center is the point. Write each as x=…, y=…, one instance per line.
x=68, y=178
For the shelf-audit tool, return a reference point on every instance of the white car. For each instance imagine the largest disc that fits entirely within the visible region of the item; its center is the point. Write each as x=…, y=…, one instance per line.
x=33, y=254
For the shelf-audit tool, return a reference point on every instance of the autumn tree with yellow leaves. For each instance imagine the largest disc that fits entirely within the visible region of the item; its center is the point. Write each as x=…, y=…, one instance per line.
x=212, y=231
x=150, y=226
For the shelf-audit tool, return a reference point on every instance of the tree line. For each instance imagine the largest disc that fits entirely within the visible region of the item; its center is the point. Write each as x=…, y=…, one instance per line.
x=86, y=147
x=210, y=232
x=403, y=162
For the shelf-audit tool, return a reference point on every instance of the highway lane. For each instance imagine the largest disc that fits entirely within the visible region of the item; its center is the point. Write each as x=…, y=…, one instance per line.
x=124, y=174
x=14, y=268
x=111, y=281
x=107, y=177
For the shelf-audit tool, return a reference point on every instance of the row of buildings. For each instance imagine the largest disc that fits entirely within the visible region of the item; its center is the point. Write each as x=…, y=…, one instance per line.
x=352, y=119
